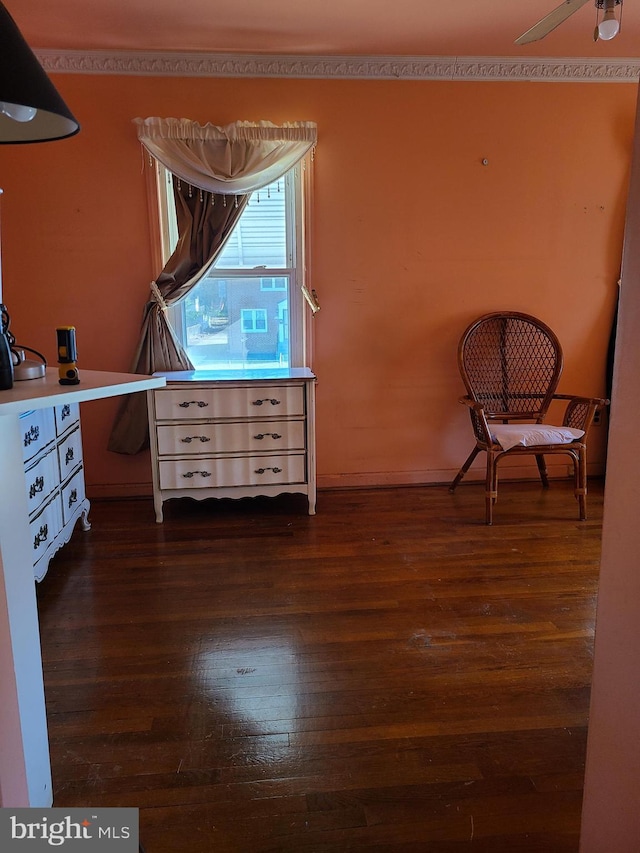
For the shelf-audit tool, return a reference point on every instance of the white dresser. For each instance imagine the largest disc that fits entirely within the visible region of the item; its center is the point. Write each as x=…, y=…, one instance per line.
x=54, y=479
x=234, y=434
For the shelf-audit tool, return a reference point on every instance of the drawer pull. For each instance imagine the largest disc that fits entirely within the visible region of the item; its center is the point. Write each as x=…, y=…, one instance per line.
x=68, y=457
x=41, y=536
x=189, y=438
x=262, y=435
x=199, y=403
x=190, y=474
x=66, y=411
x=275, y=470
x=36, y=486
x=32, y=435
x=73, y=497
x=271, y=400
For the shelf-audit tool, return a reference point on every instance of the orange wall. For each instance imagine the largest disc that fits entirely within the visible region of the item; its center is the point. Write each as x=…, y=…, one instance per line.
x=413, y=237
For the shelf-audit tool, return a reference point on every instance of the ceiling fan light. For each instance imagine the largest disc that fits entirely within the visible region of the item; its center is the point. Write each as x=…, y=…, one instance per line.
x=608, y=27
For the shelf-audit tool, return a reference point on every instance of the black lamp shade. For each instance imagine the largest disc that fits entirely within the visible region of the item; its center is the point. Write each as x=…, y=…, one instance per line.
x=24, y=83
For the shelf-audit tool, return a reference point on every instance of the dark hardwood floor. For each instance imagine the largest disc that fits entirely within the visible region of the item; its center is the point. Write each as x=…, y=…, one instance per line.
x=389, y=675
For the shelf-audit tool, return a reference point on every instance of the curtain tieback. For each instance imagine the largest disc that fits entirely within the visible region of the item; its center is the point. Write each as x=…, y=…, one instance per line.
x=158, y=297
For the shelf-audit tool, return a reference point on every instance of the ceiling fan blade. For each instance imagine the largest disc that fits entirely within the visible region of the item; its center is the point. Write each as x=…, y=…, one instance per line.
x=551, y=21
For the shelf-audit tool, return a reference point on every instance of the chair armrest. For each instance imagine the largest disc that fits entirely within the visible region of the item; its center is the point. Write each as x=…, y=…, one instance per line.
x=479, y=421
x=580, y=411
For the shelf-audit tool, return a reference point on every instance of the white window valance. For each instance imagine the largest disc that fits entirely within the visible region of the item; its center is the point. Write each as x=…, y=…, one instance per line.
x=236, y=159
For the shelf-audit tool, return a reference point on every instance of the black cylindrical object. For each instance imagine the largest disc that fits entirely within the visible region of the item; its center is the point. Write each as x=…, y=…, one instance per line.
x=6, y=364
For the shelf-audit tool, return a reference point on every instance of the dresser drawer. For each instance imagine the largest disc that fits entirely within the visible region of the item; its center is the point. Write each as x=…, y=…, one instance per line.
x=72, y=496
x=66, y=416
x=206, y=473
x=70, y=454
x=240, y=402
x=41, y=478
x=253, y=436
x=45, y=527
x=37, y=429
x=53, y=478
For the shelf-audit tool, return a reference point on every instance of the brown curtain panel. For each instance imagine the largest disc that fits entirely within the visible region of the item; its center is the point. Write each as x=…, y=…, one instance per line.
x=205, y=221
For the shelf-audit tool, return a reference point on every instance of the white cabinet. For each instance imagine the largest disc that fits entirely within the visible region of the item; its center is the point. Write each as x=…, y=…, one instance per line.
x=248, y=433
x=54, y=479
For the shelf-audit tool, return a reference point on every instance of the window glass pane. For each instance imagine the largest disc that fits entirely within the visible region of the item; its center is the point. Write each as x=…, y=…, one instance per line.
x=260, y=238
x=247, y=311
x=235, y=322
x=277, y=283
x=260, y=323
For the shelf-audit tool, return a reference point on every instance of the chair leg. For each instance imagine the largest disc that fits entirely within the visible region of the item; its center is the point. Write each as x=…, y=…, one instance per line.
x=491, y=487
x=542, y=468
x=464, y=468
x=580, y=464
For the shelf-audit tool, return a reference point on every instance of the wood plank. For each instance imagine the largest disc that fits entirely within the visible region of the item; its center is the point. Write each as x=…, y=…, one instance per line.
x=387, y=674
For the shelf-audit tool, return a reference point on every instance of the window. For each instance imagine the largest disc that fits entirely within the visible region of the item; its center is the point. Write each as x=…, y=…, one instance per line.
x=273, y=283
x=253, y=320
x=248, y=310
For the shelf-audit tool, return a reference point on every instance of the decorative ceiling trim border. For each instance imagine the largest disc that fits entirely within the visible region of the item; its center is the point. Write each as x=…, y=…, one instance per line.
x=146, y=63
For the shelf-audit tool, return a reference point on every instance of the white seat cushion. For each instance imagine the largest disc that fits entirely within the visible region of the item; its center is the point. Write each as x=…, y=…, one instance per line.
x=531, y=435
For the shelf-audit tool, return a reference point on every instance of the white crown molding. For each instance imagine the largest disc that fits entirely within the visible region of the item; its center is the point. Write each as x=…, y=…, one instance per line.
x=145, y=63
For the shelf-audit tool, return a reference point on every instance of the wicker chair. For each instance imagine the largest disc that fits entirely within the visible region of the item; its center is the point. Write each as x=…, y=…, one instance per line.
x=511, y=364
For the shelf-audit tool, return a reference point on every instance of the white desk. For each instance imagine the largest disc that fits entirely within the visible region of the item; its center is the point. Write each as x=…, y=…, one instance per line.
x=25, y=769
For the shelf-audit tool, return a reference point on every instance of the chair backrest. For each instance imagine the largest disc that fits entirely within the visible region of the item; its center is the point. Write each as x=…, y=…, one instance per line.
x=511, y=363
